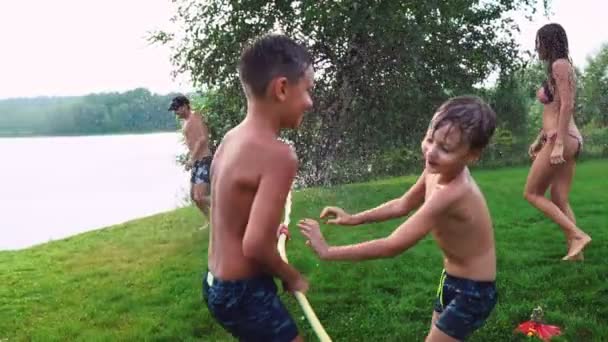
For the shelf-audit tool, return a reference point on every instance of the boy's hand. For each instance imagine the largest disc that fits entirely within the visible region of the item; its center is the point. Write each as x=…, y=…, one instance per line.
x=283, y=230
x=341, y=217
x=310, y=229
x=189, y=165
x=299, y=284
x=198, y=192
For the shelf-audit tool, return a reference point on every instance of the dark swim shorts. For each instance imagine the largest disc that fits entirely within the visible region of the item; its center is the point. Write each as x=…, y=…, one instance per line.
x=249, y=309
x=201, y=171
x=463, y=305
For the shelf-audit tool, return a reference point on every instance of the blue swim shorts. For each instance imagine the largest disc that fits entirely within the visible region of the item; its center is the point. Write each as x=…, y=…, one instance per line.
x=463, y=305
x=249, y=309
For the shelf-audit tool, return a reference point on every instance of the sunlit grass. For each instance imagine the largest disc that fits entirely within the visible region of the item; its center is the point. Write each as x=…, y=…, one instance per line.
x=142, y=280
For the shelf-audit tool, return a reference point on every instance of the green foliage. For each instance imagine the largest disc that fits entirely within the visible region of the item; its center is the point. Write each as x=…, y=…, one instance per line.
x=511, y=104
x=595, y=141
x=133, y=111
x=530, y=77
x=399, y=161
x=382, y=66
x=595, y=88
x=535, y=119
x=505, y=150
x=221, y=111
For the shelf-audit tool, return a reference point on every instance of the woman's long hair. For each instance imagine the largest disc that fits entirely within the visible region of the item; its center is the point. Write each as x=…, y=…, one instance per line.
x=552, y=44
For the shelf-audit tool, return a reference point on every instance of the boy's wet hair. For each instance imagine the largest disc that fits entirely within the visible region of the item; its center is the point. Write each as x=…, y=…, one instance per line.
x=271, y=56
x=475, y=119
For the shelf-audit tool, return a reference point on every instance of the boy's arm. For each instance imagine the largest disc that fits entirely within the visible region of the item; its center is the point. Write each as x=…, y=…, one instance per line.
x=405, y=236
x=260, y=239
x=398, y=207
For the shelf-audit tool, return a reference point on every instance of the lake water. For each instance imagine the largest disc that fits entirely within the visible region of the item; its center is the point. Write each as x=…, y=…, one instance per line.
x=54, y=187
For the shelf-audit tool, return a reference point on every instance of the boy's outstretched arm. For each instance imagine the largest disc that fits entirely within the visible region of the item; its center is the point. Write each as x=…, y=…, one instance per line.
x=395, y=208
x=405, y=236
x=260, y=239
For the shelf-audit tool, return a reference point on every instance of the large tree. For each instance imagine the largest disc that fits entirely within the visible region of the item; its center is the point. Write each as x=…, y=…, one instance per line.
x=595, y=88
x=382, y=66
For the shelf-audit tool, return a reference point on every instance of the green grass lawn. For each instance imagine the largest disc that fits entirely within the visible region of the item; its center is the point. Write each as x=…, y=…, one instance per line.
x=142, y=280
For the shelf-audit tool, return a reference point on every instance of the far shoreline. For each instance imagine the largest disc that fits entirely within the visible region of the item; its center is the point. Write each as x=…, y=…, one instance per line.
x=74, y=135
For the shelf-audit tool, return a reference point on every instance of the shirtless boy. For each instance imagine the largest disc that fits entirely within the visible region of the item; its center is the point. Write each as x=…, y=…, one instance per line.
x=252, y=175
x=197, y=139
x=451, y=208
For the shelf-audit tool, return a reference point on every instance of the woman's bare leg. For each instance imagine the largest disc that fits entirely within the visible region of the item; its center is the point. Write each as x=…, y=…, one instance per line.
x=542, y=175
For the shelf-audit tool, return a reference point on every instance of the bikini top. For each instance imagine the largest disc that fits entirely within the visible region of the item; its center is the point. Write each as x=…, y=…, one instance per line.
x=547, y=96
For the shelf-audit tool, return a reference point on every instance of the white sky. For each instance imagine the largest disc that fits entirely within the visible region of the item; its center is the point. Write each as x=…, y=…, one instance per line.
x=76, y=47
x=585, y=22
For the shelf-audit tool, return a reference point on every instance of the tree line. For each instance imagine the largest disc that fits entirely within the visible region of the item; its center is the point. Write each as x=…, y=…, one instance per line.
x=132, y=111
x=382, y=67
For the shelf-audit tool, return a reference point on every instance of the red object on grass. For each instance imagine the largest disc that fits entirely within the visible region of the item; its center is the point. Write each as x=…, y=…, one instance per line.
x=542, y=331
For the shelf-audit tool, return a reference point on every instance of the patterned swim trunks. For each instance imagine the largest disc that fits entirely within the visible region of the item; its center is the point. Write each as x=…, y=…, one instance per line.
x=201, y=171
x=463, y=305
x=249, y=309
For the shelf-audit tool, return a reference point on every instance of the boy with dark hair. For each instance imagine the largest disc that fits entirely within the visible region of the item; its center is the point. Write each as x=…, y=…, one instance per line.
x=252, y=175
x=196, y=135
x=452, y=209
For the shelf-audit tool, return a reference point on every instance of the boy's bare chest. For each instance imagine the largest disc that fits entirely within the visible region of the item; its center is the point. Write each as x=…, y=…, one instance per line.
x=456, y=219
x=190, y=131
x=432, y=186
x=187, y=129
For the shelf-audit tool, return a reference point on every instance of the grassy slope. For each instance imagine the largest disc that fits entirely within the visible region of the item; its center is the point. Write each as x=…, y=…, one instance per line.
x=141, y=280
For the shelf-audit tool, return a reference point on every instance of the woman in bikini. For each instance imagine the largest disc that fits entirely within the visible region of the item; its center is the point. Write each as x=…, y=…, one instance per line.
x=555, y=150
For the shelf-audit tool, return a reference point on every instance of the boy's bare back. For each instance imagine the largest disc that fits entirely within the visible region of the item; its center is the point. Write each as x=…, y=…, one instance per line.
x=252, y=174
x=246, y=163
x=464, y=233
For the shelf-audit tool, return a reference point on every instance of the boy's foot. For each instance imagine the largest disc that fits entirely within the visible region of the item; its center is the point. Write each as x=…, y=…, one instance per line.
x=205, y=226
x=577, y=245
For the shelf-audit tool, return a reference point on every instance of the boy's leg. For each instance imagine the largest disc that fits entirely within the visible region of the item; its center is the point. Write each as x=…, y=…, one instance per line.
x=196, y=191
x=200, y=194
x=250, y=309
x=200, y=187
x=444, y=296
x=436, y=335
x=461, y=308
x=434, y=318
